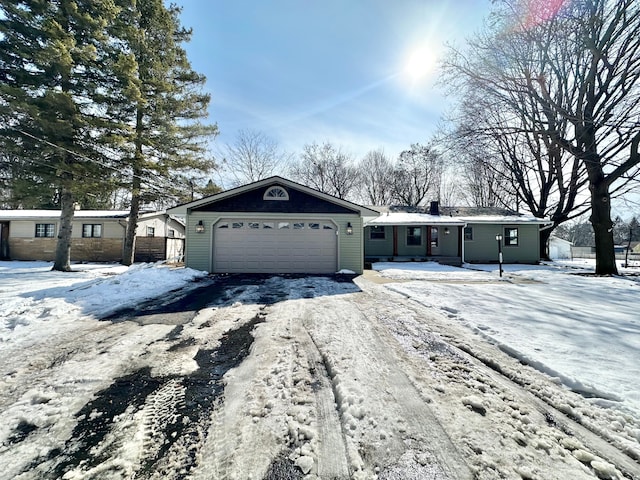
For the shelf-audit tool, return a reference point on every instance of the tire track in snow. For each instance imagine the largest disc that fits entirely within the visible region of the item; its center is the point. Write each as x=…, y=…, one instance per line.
x=502, y=375
x=385, y=416
x=332, y=458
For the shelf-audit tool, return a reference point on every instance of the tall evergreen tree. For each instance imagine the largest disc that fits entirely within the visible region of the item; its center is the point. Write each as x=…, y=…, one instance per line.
x=52, y=76
x=161, y=101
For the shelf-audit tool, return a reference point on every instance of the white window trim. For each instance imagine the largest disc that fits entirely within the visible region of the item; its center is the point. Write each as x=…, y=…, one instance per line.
x=282, y=195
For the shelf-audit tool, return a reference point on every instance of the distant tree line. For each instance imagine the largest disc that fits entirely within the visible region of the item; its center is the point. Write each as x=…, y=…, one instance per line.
x=581, y=234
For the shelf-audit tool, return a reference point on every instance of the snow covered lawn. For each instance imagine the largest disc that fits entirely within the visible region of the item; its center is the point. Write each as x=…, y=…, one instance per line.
x=317, y=377
x=581, y=329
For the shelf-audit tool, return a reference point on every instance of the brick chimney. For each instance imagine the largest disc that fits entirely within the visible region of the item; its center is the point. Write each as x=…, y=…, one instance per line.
x=434, y=208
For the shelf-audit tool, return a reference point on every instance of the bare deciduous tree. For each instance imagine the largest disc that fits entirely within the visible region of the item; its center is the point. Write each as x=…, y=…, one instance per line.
x=327, y=169
x=253, y=156
x=376, y=173
x=416, y=175
x=575, y=77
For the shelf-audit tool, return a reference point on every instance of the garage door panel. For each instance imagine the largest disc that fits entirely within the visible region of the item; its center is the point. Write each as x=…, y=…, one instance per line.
x=278, y=248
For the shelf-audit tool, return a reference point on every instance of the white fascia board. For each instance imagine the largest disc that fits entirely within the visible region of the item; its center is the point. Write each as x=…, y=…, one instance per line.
x=185, y=208
x=506, y=220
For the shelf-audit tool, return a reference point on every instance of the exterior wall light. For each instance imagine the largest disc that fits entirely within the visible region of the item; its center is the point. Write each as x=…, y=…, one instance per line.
x=200, y=227
x=349, y=229
x=447, y=231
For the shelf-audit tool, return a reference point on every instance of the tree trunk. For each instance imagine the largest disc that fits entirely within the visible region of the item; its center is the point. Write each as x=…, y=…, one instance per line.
x=63, y=247
x=602, y=228
x=544, y=243
x=128, y=254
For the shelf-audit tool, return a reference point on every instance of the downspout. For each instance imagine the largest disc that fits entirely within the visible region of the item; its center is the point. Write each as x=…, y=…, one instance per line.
x=462, y=242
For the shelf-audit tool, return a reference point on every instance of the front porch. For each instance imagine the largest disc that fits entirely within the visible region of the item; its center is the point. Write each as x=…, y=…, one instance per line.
x=420, y=238
x=453, y=261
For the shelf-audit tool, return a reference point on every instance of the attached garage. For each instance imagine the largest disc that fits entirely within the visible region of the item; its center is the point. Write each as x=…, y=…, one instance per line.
x=274, y=226
x=257, y=245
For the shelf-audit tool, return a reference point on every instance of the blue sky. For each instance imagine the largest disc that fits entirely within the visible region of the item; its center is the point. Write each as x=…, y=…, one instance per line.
x=325, y=70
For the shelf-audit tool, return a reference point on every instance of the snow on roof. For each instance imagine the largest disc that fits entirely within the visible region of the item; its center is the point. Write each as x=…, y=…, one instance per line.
x=30, y=214
x=20, y=214
x=504, y=219
x=405, y=218
x=419, y=215
x=555, y=239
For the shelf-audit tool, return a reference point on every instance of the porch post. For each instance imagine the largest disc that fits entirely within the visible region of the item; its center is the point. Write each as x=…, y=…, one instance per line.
x=395, y=240
x=428, y=240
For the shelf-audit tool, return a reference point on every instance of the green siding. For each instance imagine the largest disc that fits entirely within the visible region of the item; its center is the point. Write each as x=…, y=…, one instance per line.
x=199, y=246
x=484, y=246
x=378, y=247
x=350, y=247
x=449, y=243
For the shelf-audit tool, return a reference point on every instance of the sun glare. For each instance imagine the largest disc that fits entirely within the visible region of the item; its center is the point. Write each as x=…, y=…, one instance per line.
x=420, y=63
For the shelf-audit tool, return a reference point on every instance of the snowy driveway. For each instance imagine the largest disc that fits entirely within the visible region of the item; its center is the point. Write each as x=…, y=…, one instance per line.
x=277, y=378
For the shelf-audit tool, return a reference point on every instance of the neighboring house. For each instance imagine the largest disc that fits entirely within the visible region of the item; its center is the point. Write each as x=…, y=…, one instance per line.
x=274, y=226
x=97, y=235
x=452, y=235
x=159, y=236
x=559, y=249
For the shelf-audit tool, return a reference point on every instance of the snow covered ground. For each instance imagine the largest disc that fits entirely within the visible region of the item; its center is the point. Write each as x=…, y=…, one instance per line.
x=415, y=372
x=583, y=330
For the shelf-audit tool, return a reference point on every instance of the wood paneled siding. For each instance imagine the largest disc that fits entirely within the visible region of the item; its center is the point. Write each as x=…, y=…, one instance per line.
x=484, y=247
x=82, y=249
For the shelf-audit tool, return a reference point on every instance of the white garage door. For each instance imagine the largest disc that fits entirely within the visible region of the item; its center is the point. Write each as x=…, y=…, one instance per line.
x=275, y=246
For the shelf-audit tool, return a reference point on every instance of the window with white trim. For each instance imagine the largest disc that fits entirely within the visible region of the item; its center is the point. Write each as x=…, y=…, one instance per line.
x=151, y=232
x=414, y=235
x=510, y=237
x=376, y=233
x=45, y=230
x=276, y=193
x=91, y=230
x=468, y=233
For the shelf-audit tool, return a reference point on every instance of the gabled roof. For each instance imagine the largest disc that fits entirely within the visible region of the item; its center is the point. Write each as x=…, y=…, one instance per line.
x=275, y=180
